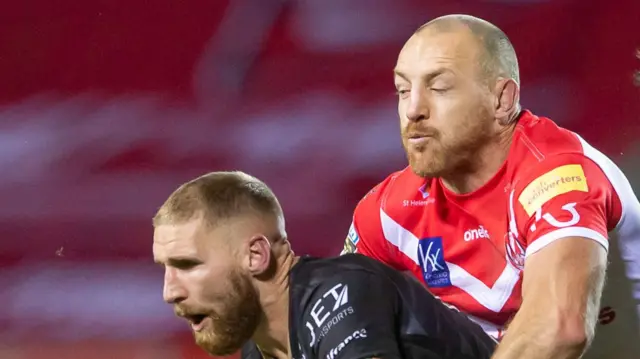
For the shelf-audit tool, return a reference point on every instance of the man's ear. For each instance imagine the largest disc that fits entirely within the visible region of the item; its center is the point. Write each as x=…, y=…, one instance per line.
x=507, y=95
x=259, y=260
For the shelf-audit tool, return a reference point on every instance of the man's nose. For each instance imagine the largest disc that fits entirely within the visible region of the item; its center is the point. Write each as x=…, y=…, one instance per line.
x=173, y=291
x=418, y=108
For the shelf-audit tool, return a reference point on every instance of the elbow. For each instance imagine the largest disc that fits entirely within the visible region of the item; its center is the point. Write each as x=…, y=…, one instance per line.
x=571, y=332
x=573, y=339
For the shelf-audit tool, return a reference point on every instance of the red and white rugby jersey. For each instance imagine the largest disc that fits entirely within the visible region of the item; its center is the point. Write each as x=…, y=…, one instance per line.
x=470, y=249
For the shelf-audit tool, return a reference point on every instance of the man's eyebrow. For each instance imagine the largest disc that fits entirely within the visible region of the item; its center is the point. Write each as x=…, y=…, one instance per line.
x=398, y=73
x=427, y=77
x=177, y=261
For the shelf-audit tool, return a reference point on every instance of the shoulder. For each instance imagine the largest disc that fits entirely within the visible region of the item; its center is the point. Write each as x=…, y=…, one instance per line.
x=388, y=200
x=543, y=151
x=392, y=187
x=537, y=138
x=562, y=186
x=324, y=279
x=311, y=273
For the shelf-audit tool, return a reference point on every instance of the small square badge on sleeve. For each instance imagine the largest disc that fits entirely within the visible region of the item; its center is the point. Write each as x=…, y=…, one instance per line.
x=351, y=241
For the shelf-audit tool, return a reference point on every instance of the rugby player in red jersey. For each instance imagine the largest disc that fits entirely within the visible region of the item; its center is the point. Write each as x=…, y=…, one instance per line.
x=502, y=214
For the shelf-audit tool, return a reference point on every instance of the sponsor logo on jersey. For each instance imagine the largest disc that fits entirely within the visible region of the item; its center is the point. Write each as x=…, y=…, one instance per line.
x=431, y=259
x=424, y=193
x=515, y=250
x=417, y=202
x=477, y=233
x=353, y=235
x=328, y=311
x=423, y=190
x=351, y=241
x=337, y=318
x=358, y=334
x=558, y=181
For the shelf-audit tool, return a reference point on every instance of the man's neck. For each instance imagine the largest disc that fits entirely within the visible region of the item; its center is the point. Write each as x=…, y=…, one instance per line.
x=484, y=166
x=272, y=335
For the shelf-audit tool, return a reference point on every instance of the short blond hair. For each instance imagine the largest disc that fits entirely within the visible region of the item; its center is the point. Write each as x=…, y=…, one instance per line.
x=217, y=196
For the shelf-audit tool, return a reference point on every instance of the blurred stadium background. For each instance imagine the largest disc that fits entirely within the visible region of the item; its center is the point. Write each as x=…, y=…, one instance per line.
x=106, y=106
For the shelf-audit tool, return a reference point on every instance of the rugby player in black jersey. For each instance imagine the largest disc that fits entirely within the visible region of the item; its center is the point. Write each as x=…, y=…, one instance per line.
x=231, y=273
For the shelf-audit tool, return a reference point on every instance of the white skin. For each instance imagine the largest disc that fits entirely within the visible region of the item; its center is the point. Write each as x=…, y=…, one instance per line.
x=229, y=281
x=454, y=120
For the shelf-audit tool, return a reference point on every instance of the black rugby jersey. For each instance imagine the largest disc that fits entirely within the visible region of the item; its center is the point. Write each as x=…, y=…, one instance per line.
x=355, y=307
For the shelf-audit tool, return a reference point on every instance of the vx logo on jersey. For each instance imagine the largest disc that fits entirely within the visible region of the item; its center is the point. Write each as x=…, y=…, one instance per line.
x=431, y=260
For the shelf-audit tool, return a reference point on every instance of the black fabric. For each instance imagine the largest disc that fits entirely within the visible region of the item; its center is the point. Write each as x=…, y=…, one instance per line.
x=250, y=351
x=355, y=307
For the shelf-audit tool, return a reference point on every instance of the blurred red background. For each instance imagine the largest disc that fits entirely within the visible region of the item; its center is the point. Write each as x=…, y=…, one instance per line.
x=107, y=106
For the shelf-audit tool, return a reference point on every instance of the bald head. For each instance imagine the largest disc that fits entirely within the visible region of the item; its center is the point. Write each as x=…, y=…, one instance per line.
x=498, y=57
x=458, y=95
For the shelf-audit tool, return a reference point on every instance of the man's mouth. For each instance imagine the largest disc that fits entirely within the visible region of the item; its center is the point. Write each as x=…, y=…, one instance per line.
x=418, y=138
x=197, y=321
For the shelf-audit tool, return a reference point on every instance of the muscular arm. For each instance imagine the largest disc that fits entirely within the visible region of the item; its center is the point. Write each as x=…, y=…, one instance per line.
x=561, y=295
x=564, y=215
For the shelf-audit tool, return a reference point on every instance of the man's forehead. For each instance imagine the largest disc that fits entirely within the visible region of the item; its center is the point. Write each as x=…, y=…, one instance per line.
x=177, y=239
x=429, y=48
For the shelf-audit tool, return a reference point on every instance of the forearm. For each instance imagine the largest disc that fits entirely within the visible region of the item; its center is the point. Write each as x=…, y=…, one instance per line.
x=534, y=337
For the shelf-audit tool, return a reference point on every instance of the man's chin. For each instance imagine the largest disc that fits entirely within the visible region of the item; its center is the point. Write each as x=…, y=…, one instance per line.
x=215, y=349
x=425, y=169
x=220, y=353
x=211, y=344
x=424, y=163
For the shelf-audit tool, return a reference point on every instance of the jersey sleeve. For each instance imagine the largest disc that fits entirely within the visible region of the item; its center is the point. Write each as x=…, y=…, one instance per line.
x=352, y=315
x=564, y=196
x=365, y=234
